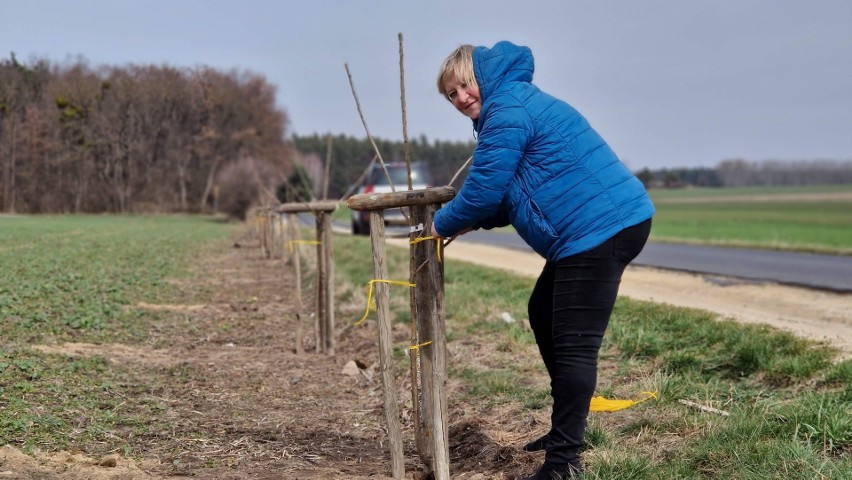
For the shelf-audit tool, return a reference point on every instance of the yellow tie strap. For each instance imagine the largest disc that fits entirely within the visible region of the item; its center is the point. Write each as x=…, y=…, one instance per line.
x=370, y=303
x=601, y=404
x=423, y=239
x=417, y=347
x=302, y=242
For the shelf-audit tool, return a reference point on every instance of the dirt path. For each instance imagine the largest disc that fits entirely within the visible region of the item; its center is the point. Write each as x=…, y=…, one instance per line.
x=236, y=402
x=239, y=404
x=818, y=315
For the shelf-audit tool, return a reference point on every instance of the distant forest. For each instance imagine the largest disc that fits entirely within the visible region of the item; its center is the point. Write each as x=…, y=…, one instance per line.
x=351, y=155
x=77, y=139
x=137, y=139
x=744, y=173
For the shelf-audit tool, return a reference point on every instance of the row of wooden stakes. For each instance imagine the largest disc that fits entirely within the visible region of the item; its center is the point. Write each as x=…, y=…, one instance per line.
x=278, y=227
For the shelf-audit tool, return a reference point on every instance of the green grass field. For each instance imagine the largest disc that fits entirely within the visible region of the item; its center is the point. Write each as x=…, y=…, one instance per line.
x=757, y=217
x=69, y=279
x=709, y=193
x=72, y=274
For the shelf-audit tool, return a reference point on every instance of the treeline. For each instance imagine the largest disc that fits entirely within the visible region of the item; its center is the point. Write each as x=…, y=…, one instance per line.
x=743, y=173
x=76, y=139
x=350, y=156
x=136, y=138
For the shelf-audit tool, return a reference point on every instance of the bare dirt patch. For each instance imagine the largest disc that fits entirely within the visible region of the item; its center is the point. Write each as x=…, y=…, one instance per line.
x=68, y=466
x=238, y=403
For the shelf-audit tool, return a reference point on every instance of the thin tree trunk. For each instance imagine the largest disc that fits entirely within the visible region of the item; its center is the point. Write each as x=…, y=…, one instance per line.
x=9, y=194
x=184, y=206
x=7, y=173
x=208, y=188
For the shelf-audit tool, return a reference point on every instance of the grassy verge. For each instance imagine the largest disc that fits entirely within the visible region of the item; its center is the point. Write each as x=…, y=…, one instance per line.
x=70, y=277
x=788, y=400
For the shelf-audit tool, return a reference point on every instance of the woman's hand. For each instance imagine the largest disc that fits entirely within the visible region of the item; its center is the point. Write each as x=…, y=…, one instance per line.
x=435, y=233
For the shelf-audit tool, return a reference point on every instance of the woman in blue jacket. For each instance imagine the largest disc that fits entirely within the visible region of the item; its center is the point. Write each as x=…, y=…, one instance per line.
x=539, y=166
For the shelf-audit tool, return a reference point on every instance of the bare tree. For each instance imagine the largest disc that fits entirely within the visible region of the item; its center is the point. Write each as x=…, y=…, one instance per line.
x=133, y=138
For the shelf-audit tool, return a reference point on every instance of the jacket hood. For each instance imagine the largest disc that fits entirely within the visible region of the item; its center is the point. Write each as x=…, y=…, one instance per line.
x=500, y=65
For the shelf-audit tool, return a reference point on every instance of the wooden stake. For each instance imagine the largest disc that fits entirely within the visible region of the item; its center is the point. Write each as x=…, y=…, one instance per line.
x=404, y=120
x=275, y=229
x=319, y=321
x=297, y=264
x=324, y=318
x=286, y=231
x=270, y=237
x=421, y=391
x=386, y=363
x=324, y=238
x=261, y=222
x=433, y=363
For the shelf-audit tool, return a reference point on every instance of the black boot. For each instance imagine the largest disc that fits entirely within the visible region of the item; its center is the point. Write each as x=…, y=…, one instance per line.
x=555, y=472
x=538, y=444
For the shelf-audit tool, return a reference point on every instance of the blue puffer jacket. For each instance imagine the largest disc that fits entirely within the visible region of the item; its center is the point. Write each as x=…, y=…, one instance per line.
x=539, y=166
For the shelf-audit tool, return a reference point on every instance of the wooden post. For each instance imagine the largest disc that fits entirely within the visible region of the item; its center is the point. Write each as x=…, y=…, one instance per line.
x=296, y=258
x=324, y=317
x=286, y=236
x=380, y=271
x=267, y=233
x=261, y=220
x=429, y=299
x=273, y=235
x=428, y=303
x=328, y=288
x=319, y=319
x=421, y=420
x=280, y=237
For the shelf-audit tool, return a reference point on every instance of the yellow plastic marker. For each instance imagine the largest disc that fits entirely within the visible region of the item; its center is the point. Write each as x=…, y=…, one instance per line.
x=601, y=404
x=423, y=239
x=417, y=347
x=370, y=303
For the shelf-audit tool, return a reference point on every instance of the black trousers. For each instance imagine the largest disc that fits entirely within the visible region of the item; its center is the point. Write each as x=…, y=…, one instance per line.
x=569, y=311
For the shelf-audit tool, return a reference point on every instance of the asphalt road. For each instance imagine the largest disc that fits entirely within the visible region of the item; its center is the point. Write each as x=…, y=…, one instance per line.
x=825, y=272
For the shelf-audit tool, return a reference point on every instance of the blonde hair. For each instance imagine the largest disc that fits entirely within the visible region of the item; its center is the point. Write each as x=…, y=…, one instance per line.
x=459, y=65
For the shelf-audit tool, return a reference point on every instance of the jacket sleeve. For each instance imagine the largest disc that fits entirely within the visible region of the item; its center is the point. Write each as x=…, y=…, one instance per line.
x=500, y=146
x=500, y=219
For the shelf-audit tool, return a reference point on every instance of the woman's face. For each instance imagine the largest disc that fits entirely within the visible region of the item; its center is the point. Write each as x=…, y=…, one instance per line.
x=464, y=97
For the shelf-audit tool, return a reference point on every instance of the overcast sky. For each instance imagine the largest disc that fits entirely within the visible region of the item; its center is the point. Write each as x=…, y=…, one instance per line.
x=668, y=83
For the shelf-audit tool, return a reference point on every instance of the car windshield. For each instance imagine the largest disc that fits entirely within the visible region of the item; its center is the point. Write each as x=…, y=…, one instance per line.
x=399, y=175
